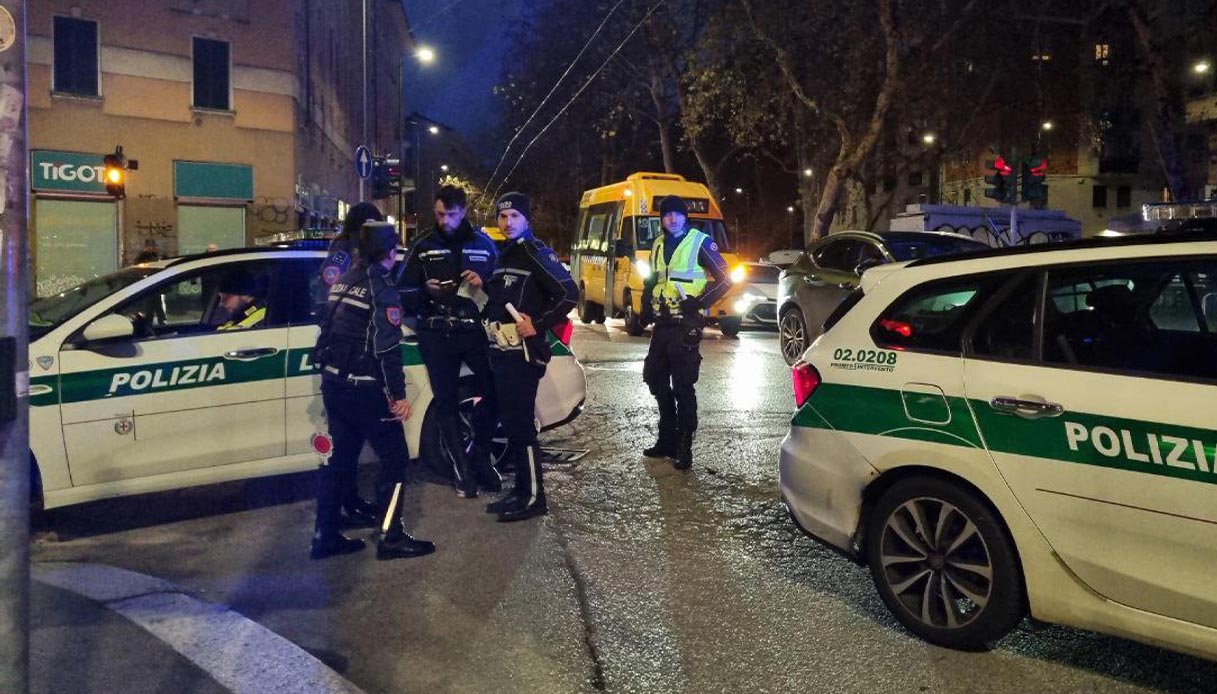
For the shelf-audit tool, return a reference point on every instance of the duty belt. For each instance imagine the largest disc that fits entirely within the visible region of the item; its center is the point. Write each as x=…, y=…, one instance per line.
x=351, y=379
x=449, y=322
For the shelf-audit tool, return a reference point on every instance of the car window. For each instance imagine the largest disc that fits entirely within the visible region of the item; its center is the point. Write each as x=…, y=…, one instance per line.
x=932, y=317
x=838, y=255
x=50, y=312
x=232, y=296
x=870, y=254
x=1144, y=317
x=913, y=247
x=1007, y=328
x=301, y=292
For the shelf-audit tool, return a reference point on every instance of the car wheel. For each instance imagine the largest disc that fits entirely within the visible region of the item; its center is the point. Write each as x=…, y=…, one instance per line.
x=729, y=326
x=584, y=307
x=434, y=451
x=944, y=564
x=633, y=322
x=792, y=335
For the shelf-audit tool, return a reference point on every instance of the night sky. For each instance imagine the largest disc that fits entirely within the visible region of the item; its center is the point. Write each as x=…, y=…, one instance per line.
x=469, y=38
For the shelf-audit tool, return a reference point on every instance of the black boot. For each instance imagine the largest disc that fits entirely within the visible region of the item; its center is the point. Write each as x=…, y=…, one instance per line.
x=332, y=544
x=684, y=457
x=488, y=478
x=398, y=544
x=519, y=486
x=463, y=477
x=357, y=513
x=665, y=443
x=531, y=502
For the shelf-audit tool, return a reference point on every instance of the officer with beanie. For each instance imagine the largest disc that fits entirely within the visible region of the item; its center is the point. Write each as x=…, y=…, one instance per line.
x=529, y=293
x=688, y=275
x=363, y=389
x=442, y=283
x=355, y=512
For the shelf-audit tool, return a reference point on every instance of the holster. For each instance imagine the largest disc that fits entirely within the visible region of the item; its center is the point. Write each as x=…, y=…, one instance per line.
x=506, y=335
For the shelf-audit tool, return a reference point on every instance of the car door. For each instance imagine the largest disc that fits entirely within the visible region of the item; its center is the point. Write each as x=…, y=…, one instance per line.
x=178, y=394
x=1094, y=391
x=828, y=281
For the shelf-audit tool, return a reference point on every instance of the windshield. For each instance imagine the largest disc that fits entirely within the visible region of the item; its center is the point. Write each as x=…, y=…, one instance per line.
x=930, y=246
x=649, y=229
x=50, y=312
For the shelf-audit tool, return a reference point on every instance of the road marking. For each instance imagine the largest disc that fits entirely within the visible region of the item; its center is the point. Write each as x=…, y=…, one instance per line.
x=235, y=651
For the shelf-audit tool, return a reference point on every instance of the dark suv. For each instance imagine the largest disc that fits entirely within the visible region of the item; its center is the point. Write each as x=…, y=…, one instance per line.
x=829, y=269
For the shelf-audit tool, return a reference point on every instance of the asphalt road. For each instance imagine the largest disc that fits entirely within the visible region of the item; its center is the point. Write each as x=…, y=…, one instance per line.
x=642, y=579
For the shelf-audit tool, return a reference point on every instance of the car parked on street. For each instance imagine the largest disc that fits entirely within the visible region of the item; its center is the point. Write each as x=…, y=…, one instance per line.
x=135, y=388
x=812, y=288
x=1022, y=431
x=756, y=291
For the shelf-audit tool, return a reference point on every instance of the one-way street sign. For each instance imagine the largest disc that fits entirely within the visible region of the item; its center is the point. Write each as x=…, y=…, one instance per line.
x=363, y=162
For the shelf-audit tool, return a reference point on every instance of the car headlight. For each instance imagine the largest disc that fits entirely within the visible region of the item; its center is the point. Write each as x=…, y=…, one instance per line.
x=643, y=268
x=746, y=301
x=739, y=274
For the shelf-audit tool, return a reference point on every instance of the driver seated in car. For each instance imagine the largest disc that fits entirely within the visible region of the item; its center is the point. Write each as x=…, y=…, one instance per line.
x=238, y=306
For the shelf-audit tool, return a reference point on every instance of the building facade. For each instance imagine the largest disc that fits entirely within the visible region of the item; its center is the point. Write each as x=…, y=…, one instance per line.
x=243, y=117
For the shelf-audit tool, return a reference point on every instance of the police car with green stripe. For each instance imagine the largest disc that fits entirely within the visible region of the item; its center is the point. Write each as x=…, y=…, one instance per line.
x=1022, y=431
x=199, y=369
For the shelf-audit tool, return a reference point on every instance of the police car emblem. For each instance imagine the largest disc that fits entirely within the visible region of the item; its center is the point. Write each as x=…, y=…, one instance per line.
x=46, y=362
x=123, y=426
x=393, y=313
x=331, y=274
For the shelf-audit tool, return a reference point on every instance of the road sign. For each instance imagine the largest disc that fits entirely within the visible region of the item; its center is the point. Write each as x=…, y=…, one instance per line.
x=363, y=162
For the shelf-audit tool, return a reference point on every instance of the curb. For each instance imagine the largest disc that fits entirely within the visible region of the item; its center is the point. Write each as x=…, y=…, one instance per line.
x=235, y=651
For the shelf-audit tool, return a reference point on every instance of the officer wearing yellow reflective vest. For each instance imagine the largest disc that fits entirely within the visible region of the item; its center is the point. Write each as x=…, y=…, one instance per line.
x=687, y=275
x=238, y=304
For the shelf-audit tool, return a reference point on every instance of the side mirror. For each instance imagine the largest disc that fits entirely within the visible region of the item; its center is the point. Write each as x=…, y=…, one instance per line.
x=623, y=249
x=109, y=327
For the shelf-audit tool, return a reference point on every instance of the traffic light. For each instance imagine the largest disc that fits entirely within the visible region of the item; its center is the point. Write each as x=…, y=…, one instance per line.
x=1003, y=180
x=393, y=173
x=115, y=173
x=1035, y=170
x=380, y=178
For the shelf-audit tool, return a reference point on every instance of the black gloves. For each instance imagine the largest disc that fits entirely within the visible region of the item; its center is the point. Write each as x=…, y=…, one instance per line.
x=690, y=306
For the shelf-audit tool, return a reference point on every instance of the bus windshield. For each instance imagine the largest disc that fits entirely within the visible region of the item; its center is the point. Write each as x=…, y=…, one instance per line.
x=649, y=229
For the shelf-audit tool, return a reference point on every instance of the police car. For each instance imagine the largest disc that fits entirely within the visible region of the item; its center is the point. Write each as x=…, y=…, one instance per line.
x=141, y=381
x=1025, y=431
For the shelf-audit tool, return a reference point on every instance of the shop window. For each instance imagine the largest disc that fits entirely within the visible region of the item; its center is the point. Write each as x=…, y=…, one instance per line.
x=75, y=70
x=211, y=74
x=74, y=241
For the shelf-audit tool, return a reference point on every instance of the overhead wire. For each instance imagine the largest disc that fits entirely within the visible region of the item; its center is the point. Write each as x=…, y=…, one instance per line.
x=553, y=89
x=586, y=84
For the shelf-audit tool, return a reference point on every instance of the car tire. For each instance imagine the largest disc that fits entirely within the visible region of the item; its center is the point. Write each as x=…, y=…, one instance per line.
x=730, y=326
x=944, y=564
x=793, y=338
x=584, y=307
x=633, y=322
x=433, y=452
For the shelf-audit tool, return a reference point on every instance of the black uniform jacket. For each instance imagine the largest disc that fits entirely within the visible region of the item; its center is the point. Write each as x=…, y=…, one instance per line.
x=361, y=332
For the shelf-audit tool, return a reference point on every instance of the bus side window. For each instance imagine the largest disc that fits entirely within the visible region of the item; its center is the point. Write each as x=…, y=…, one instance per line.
x=581, y=236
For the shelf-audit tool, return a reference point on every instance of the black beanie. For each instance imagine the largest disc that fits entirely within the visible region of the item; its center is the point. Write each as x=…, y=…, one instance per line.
x=357, y=215
x=376, y=240
x=238, y=282
x=673, y=203
x=514, y=201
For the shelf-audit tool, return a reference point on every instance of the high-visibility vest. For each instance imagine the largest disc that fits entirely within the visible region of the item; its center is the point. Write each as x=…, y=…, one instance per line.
x=248, y=318
x=684, y=271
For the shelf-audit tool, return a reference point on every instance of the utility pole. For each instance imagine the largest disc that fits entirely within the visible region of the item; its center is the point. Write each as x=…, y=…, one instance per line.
x=363, y=138
x=14, y=356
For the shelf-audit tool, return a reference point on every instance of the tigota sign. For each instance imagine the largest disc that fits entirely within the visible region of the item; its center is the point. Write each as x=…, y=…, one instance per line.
x=67, y=171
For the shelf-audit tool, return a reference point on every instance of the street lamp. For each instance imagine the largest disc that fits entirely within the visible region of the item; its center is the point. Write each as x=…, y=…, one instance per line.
x=1202, y=67
x=807, y=173
x=1047, y=126
x=443, y=167
x=929, y=138
x=790, y=208
x=739, y=191
x=425, y=55
x=433, y=129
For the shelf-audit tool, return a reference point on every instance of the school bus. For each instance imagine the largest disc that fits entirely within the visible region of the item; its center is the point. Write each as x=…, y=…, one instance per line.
x=611, y=253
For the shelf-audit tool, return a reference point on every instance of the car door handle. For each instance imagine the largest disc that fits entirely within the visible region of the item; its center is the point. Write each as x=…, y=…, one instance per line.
x=250, y=354
x=1032, y=409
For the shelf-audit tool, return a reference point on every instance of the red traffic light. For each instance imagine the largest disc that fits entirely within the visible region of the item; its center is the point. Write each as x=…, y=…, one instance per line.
x=1041, y=169
x=1000, y=166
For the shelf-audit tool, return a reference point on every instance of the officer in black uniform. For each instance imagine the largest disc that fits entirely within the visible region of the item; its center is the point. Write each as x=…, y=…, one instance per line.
x=442, y=283
x=688, y=275
x=356, y=512
x=530, y=293
x=364, y=393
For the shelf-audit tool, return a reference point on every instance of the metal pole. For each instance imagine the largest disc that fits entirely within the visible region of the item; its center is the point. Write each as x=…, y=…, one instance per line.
x=363, y=138
x=14, y=302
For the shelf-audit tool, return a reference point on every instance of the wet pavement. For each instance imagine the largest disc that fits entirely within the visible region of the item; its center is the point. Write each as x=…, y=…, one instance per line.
x=642, y=578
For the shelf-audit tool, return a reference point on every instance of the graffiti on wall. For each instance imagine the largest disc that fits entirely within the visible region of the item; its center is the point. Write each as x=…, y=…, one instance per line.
x=272, y=215
x=149, y=217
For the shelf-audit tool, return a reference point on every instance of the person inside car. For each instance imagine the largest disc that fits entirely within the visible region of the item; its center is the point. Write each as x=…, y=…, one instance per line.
x=239, y=306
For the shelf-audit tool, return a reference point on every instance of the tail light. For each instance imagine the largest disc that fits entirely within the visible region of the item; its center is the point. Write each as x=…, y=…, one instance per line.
x=806, y=380
x=563, y=331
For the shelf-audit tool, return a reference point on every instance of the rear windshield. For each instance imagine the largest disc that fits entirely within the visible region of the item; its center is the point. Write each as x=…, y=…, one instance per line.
x=931, y=246
x=50, y=312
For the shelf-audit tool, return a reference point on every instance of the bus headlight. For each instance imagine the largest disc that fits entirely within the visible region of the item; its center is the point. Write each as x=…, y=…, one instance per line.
x=643, y=267
x=739, y=274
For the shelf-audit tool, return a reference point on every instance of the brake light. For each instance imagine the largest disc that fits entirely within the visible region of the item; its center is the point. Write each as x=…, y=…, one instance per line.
x=897, y=326
x=806, y=380
x=563, y=331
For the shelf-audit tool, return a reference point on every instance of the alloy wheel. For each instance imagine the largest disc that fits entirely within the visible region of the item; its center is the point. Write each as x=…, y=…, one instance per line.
x=792, y=336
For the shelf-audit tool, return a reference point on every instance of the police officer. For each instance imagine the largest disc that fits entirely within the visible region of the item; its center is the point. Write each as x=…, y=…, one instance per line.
x=442, y=283
x=530, y=293
x=364, y=393
x=356, y=512
x=683, y=263
x=239, y=305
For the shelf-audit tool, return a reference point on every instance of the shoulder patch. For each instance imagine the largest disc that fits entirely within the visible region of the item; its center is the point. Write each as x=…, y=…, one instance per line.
x=553, y=257
x=714, y=246
x=330, y=274
x=393, y=315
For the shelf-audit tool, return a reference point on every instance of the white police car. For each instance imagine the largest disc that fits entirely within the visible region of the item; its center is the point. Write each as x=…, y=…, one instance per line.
x=1022, y=431
x=134, y=388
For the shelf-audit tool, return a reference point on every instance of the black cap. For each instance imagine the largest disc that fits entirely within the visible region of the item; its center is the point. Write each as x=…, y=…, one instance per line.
x=239, y=282
x=357, y=215
x=514, y=201
x=673, y=203
x=376, y=240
